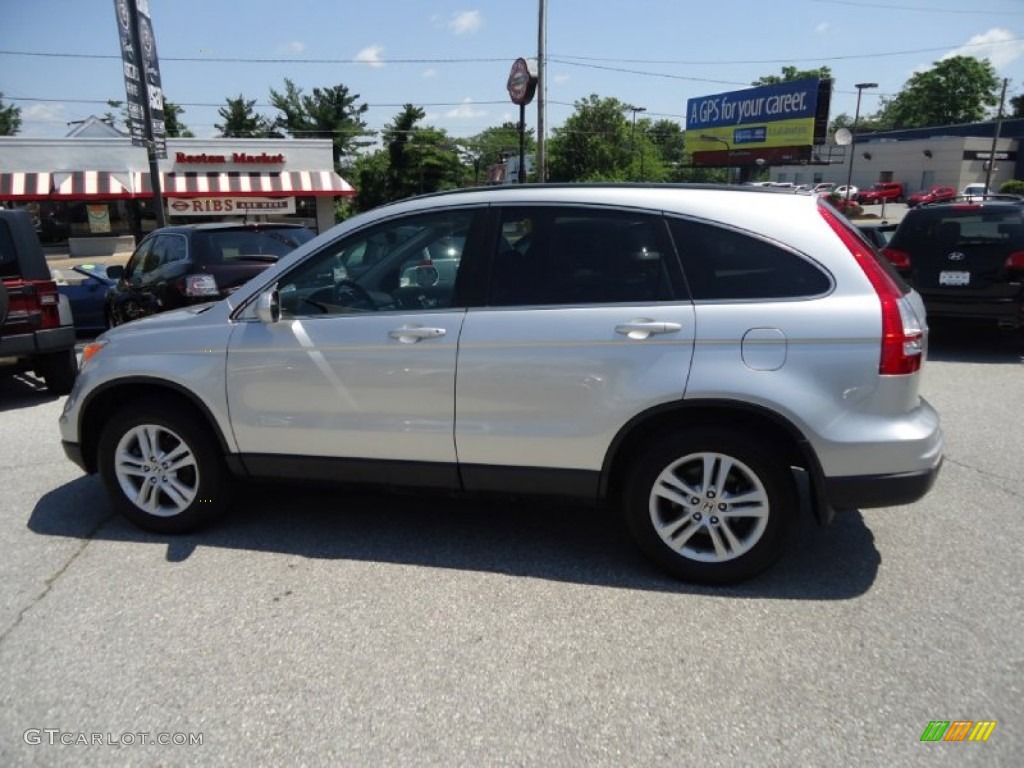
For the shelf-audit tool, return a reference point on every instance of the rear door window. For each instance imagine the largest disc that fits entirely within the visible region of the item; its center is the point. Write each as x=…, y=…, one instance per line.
x=8, y=258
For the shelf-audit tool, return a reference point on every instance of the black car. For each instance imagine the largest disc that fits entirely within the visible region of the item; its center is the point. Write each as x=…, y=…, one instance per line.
x=965, y=257
x=177, y=266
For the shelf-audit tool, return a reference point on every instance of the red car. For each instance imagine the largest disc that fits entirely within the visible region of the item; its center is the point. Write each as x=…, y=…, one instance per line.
x=891, y=191
x=931, y=195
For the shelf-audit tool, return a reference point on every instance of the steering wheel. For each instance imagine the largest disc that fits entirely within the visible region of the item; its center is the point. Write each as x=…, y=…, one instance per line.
x=349, y=293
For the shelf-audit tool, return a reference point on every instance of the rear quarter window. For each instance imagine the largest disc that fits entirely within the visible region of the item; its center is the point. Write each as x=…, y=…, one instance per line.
x=8, y=258
x=724, y=264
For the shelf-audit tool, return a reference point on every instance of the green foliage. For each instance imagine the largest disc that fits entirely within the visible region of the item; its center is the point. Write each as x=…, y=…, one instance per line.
x=599, y=143
x=241, y=122
x=369, y=175
x=420, y=159
x=1012, y=187
x=327, y=113
x=172, y=124
x=10, y=118
x=959, y=89
x=1017, y=106
x=789, y=74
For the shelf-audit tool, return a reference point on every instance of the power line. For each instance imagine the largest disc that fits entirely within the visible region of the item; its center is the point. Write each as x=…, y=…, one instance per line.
x=240, y=60
x=917, y=8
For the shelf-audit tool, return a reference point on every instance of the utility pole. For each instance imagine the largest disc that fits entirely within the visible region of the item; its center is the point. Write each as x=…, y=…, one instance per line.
x=542, y=90
x=995, y=139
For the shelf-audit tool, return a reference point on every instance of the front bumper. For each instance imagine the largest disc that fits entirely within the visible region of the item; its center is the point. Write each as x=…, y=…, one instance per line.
x=74, y=452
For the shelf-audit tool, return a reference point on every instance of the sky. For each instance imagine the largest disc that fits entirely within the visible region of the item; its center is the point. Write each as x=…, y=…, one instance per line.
x=60, y=61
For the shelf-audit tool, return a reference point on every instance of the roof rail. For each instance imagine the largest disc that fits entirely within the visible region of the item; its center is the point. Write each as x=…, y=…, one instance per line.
x=1005, y=198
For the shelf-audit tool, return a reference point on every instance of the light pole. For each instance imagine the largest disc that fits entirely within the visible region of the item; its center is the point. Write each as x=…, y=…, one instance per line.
x=706, y=137
x=632, y=137
x=853, y=142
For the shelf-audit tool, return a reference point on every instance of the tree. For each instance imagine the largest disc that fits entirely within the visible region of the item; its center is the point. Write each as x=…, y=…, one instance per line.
x=10, y=118
x=959, y=89
x=493, y=144
x=593, y=144
x=172, y=125
x=241, y=122
x=1017, y=106
x=327, y=113
x=789, y=74
x=420, y=159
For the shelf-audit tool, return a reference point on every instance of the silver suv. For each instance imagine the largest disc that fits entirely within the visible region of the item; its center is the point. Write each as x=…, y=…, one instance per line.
x=709, y=360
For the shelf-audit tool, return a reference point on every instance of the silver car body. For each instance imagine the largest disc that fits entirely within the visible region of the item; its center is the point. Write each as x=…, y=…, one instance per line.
x=551, y=386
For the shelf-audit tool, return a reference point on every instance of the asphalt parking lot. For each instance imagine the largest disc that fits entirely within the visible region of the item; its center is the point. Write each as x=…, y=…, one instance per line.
x=329, y=627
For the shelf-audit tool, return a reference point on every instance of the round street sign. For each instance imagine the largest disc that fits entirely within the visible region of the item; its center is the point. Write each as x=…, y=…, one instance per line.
x=522, y=82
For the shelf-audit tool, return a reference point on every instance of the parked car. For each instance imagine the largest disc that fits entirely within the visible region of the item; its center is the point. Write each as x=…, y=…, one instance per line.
x=196, y=263
x=931, y=195
x=697, y=358
x=965, y=259
x=824, y=188
x=846, y=192
x=883, y=191
x=975, y=192
x=86, y=287
x=36, y=328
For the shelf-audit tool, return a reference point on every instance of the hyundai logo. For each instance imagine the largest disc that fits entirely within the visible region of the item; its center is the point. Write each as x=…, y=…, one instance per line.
x=957, y=256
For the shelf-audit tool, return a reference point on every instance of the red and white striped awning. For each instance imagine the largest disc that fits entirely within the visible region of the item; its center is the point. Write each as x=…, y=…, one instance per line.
x=84, y=185
x=65, y=185
x=243, y=184
x=25, y=186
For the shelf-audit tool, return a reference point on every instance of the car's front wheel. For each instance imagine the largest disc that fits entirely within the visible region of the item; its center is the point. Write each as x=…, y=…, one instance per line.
x=161, y=468
x=710, y=506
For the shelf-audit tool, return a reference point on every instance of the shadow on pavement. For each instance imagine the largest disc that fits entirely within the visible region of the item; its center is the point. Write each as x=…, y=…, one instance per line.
x=951, y=342
x=20, y=390
x=527, y=538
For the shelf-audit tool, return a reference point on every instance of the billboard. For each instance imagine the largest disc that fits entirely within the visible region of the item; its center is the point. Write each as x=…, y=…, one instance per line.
x=772, y=123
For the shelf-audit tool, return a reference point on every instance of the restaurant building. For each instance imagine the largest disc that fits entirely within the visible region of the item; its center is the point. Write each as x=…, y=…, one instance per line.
x=94, y=185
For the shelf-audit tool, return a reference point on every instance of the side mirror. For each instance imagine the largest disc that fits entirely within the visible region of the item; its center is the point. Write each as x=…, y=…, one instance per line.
x=268, y=306
x=115, y=271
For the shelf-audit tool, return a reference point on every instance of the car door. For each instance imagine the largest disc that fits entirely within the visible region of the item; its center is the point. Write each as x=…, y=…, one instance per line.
x=127, y=300
x=358, y=376
x=587, y=324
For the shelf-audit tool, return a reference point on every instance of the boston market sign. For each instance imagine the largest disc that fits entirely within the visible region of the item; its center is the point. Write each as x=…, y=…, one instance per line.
x=239, y=158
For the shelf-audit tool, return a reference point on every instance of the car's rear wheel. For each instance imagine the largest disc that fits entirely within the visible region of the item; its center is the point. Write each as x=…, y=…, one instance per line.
x=161, y=468
x=58, y=370
x=710, y=506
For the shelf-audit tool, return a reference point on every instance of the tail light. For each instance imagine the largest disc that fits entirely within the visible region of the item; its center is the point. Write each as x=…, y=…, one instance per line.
x=899, y=259
x=32, y=305
x=198, y=285
x=902, y=334
x=1015, y=260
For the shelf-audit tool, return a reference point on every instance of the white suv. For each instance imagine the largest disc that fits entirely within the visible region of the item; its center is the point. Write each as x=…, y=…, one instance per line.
x=705, y=362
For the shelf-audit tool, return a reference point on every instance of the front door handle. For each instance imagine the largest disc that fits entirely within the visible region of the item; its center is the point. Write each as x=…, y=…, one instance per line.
x=644, y=328
x=412, y=334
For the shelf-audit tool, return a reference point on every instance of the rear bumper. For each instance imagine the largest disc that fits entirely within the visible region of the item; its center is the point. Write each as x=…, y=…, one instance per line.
x=892, y=490
x=38, y=342
x=998, y=309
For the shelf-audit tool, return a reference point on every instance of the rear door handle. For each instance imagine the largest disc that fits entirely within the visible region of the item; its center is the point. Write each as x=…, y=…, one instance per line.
x=412, y=334
x=642, y=329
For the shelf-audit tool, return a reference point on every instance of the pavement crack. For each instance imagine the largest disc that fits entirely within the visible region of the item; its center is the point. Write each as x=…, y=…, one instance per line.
x=992, y=475
x=51, y=580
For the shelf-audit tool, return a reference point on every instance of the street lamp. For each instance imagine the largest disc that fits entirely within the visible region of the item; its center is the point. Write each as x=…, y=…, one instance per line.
x=632, y=136
x=706, y=137
x=853, y=142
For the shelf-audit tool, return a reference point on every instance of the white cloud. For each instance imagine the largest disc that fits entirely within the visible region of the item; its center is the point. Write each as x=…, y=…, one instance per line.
x=430, y=72
x=822, y=28
x=993, y=45
x=465, y=110
x=48, y=119
x=466, y=22
x=562, y=79
x=294, y=46
x=371, y=55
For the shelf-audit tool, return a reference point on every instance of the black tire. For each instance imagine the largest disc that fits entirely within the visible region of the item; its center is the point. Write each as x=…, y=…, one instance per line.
x=207, y=490
x=759, y=538
x=59, y=370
